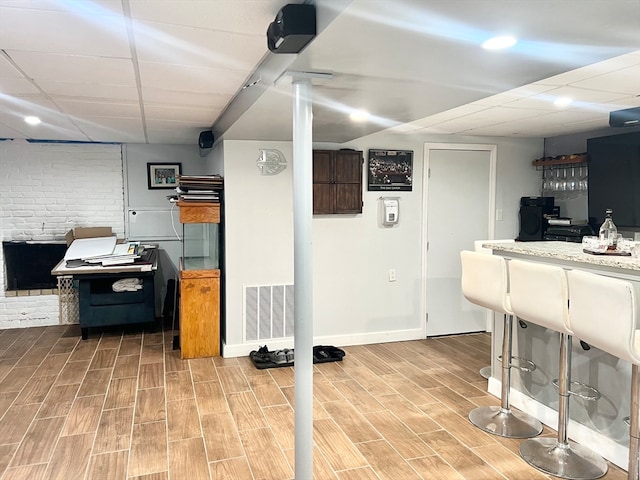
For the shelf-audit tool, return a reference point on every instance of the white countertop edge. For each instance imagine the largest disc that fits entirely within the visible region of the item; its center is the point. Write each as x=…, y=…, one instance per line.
x=565, y=251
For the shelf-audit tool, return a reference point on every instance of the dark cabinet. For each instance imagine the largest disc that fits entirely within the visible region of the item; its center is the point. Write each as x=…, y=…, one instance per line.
x=337, y=181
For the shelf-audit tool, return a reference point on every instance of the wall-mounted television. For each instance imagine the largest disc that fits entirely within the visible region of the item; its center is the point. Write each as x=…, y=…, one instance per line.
x=614, y=180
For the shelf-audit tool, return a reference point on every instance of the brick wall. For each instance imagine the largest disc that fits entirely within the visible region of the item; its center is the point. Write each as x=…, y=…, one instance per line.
x=45, y=190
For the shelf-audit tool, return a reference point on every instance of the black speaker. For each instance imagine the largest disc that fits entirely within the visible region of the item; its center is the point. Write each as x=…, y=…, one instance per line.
x=293, y=28
x=205, y=140
x=629, y=117
x=532, y=223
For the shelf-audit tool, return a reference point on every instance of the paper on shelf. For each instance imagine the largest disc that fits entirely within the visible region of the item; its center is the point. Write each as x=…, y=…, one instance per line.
x=90, y=247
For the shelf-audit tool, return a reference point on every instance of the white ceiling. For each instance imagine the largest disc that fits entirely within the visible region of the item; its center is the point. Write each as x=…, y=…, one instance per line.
x=161, y=71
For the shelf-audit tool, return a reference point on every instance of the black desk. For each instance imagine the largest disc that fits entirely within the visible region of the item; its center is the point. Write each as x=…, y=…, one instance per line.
x=100, y=306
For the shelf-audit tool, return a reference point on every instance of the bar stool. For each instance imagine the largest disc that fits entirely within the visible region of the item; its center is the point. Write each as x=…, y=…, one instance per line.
x=539, y=294
x=601, y=304
x=485, y=372
x=484, y=282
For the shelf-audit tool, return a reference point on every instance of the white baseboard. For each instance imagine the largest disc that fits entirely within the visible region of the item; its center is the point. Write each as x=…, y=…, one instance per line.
x=243, y=349
x=604, y=446
x=29, y=322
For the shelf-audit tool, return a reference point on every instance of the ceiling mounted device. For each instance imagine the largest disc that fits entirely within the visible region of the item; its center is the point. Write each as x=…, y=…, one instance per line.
x=293, y=28
x=271, y=161
x=629, y=117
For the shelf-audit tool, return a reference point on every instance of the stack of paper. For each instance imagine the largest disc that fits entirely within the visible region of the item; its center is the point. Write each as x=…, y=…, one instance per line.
x=199, y=188
x=103, y=251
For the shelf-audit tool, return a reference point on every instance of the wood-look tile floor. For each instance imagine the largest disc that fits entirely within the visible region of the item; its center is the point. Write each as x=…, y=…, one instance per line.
x=124, y=406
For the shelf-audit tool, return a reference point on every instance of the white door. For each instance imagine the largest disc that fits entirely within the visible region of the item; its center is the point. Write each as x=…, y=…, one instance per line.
x=460, y=202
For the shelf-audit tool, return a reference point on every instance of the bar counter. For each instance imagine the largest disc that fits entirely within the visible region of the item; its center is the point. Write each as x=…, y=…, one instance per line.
x=598, y=425
x=569, y=253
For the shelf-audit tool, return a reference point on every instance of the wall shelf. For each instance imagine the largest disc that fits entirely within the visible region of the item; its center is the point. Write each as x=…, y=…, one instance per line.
x=576, y=158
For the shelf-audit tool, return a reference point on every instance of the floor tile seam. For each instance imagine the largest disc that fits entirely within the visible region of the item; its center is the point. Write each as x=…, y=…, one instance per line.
x=444, y=460
x=346, y=436
x=9, y=465
x=503, y=476
x=103, y=410
x=389, y=442
x=35, y=417
x=204, y=443
x=166, y=401
x=461, y=441
x=390, y=445
x=239, y=436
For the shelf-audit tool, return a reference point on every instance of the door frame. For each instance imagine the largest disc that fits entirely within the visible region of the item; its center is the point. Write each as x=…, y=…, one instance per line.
x=492, y=149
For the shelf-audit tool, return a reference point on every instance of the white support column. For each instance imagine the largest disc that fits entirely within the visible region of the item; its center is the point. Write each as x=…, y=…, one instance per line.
x=303, y=274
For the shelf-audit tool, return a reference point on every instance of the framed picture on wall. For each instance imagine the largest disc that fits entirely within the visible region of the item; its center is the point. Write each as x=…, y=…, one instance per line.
x=390, y=170
x=163, y=175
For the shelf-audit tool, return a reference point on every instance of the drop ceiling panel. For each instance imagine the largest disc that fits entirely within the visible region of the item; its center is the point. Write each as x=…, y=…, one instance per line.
x=75, y=68
x=180, y=45
x=631, y=59
x=242, y=16
x=174, y=132
x=94, y=7
x=181, y=114
x=88, y=92
x=515, y=94
x=16, y=85
x=99, y=109
x=581, y=98
x=61, y=32
x=626, y=80
x=214, y=101
x=104, y=129
x=21, y=106
x=6, y=132
x=51, y=128
x=190, y=79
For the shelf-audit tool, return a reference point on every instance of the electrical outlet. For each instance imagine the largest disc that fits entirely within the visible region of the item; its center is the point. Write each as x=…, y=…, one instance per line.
x=392, y=275
x=499, y=215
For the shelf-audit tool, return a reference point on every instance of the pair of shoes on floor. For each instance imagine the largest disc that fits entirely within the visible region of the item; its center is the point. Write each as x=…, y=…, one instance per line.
x=262, y=356
x=282, y=356
x=327, y=353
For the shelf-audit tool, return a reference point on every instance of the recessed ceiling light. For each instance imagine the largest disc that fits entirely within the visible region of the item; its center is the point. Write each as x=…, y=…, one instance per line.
x=31, y=120
x=498, y=43
x=359, y=115
x=562, y=101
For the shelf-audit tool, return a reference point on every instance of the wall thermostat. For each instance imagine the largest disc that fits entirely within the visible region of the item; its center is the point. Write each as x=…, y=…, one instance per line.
x=390, y=209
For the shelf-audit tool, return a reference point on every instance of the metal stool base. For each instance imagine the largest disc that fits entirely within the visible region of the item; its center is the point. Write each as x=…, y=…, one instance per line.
x=485, y=372
x=571, y=461
x=505, y=423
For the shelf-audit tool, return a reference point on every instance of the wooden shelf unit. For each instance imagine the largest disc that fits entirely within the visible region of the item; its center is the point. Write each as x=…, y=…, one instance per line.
x=199, y=293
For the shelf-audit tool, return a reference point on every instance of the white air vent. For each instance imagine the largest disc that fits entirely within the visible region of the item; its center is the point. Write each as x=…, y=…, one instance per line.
x=268, y=312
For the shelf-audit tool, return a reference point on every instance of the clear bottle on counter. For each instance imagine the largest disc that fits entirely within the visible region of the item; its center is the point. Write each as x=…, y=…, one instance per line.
x=609, y=231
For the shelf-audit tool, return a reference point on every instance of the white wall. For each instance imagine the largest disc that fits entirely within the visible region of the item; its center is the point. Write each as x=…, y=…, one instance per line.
x=258, y=228
x=45, y=190
x=353, y=301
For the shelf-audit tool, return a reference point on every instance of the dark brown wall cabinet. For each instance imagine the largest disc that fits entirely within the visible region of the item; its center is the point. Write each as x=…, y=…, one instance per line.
x=337, y=181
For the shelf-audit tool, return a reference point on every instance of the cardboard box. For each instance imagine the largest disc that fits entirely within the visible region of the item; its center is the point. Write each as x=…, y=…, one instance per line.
x=87, y=232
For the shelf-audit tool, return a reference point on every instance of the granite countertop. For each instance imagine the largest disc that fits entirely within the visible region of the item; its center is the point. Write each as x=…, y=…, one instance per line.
x=567, y=251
